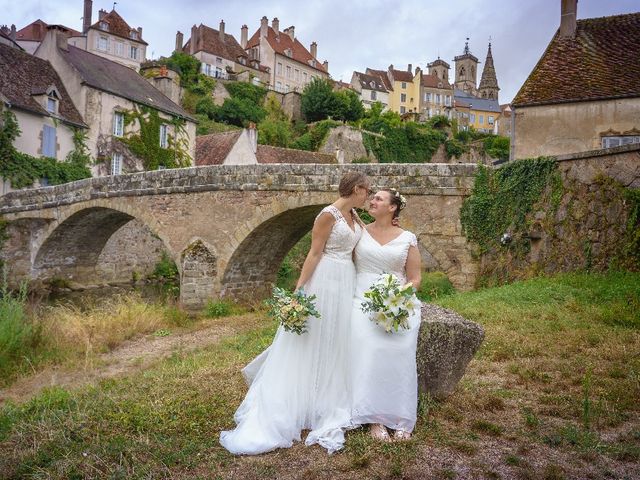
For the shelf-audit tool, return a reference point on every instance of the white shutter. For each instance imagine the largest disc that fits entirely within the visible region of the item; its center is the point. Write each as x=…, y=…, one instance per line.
x=48, y=141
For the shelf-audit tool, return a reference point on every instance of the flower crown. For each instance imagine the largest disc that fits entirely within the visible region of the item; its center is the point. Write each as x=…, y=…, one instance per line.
x=403, y=201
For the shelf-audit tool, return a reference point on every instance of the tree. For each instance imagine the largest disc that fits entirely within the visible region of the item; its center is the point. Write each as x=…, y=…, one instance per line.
x=275, y=129
x=187, y=66
x=319, y=101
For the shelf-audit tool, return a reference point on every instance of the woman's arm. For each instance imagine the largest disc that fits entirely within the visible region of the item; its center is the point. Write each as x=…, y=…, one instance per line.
x=412, y=267
x=319, y=235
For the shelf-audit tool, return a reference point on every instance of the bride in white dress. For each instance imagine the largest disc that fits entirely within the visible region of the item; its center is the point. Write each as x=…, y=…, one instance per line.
x=383, y=365
x=302, y=381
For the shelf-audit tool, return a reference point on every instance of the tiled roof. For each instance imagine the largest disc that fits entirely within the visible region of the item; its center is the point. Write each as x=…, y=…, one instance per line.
x=117, y=26
x=269, y=154
x=402, y=76
x=382, y=74
x=213, y=149
x=601, y=61
x=211, y=43
x=371, y=82
x=7, y=40
x=282, y=43
x=22, y=76
x=433, y=81
x=437, y=62
x=464, y=99
x=112, y=77
x=36, y=31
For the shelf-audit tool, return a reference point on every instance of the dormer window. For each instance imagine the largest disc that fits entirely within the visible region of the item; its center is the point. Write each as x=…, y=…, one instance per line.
x=52, y=104
x=133, y=34
x=104, y=26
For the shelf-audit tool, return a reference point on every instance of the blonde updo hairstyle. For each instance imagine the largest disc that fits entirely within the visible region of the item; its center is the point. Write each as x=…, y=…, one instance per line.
x=350, y=181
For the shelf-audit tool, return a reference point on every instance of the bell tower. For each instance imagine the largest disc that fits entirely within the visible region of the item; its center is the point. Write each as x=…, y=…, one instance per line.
x=489, y=82
x=466, y=66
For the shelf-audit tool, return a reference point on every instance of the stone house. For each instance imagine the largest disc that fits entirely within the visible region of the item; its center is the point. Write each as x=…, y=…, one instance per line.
x=584, y=92
x=104, y=92
x=436, y=96
x=482, y=114
x=220, y=54
x=30, y=36
x=371, y=89
x=504, y=125
x=291, y=65
x=46, y=115
x=240, y=147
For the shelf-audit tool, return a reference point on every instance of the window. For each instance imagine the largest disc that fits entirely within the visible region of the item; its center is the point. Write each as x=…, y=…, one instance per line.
x=447, y=100
x=374, y=95
x=402, y=109
x=437, y=98
x=119, y=49
x=49, y=142
x=279, y=69
x=288, y=71
x=610, y=142
x=103, y=43
x=491, y=120
x=218, y=73
x=52, y=104
x=134, y=52
x=133, y=34
x=104, y=26
x=404, y=84
x=296, y=74
x=472, y=118
x=218, y=61
x=278, y=86
x=286, y=88
x=116, y=163
x=403, y=97
x=164, y=141
x=304, y=76
x=118, y=124
x=481, y=119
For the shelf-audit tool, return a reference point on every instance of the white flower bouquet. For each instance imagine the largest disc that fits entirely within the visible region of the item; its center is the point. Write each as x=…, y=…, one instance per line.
x=390, y=303
x=292, y=309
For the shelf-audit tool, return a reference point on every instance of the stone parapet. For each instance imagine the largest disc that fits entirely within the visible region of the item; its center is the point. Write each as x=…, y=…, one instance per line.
x=413, y=179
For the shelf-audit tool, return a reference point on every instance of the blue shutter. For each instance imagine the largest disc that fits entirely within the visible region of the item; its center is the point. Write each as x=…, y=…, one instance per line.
x=49, y=141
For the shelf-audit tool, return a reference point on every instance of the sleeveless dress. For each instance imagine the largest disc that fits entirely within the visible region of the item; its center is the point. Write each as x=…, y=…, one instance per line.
x=383, y=365
x=302, y=381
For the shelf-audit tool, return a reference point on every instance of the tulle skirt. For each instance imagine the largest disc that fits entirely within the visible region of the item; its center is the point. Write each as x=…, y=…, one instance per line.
x=383, y=367
x=302, y=381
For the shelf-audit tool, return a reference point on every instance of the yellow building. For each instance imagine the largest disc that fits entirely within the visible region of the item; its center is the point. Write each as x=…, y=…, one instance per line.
x=404, y=96
x=480, y=113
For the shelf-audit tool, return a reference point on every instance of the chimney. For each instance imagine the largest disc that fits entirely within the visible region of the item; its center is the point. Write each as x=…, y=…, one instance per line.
x=244, y=35
x=179, y=40
x=101, y=14
x=409, y=68
x=58, y=36
x=568, y=14
x=221, y=31
x=275, y=24
x=86, y=16
x=314, y=50
x=325, y=64
x=194, y=39
x=264, y=26
x=291, y=31
x=12, y=34
x=253, y=136
x=139, y=29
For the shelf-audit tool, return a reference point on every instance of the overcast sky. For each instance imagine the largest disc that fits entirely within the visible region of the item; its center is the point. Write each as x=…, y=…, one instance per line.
x=353, y=34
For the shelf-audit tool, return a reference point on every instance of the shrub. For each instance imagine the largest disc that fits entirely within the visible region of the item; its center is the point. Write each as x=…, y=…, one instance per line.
x=439, y=122
x=454, y=148
x=497, y=147
x=239, y=112
x=218, y=308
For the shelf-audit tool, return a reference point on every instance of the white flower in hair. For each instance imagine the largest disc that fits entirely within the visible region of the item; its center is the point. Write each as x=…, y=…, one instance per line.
x=403, y=201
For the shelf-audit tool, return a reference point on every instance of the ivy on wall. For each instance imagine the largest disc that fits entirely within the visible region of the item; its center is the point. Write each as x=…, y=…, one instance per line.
x=502, y=198
x=144, y=143
x=406, y=143
x=22, y=170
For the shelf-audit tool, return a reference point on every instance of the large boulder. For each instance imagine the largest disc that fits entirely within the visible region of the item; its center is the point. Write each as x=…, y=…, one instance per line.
x=446, y=344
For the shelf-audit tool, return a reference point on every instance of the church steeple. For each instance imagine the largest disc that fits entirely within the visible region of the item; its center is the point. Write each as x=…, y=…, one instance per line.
x=489, y=82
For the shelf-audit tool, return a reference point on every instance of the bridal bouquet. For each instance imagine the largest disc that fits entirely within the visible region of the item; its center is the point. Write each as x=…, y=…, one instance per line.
x=390, y=303
x=292, y=309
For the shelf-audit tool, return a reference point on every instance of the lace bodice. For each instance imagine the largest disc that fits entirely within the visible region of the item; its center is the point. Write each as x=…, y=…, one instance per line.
x=371, y=257
x=342, y=239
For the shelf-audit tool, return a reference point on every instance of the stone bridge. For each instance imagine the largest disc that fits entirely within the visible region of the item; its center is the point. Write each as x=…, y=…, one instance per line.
x=228, y=228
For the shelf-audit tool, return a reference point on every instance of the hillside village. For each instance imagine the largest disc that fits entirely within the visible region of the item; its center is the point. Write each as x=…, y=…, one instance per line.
x=89, y=102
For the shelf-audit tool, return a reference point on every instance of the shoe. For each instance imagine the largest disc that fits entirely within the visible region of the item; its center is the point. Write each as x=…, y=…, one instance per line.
x=379, y=432
x=401, y=435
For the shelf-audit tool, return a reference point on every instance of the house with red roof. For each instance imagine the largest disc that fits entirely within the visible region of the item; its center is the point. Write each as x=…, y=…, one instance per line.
x=371, y=88
x=291, y=65
x=584, y=92
x=220, y=54
x=30, y=36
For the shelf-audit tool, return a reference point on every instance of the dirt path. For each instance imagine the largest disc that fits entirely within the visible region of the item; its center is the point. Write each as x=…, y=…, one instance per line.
x=131, y=356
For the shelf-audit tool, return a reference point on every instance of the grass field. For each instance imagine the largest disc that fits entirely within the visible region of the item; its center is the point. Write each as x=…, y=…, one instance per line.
x=552, y=393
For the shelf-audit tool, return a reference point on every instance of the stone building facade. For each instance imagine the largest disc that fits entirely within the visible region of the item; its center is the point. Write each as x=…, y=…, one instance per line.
x=371, y=89
x=584, y=93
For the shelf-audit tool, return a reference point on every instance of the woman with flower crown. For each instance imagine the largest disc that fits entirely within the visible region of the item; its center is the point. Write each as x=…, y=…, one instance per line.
x=301, y=382
x=383, y=365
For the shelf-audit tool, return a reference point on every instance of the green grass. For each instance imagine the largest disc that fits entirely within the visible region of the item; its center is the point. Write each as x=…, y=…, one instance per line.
x=525, y=393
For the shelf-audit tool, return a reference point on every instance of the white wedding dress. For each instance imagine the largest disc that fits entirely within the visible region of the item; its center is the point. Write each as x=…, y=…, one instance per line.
x=383, y=365
x=302, y=381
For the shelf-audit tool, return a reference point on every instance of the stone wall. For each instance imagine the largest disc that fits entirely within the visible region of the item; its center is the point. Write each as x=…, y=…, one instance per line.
x=347, y=139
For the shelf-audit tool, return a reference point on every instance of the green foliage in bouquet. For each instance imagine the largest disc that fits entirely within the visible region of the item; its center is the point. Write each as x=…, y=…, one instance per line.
x=390, y=303
x=292, y=309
